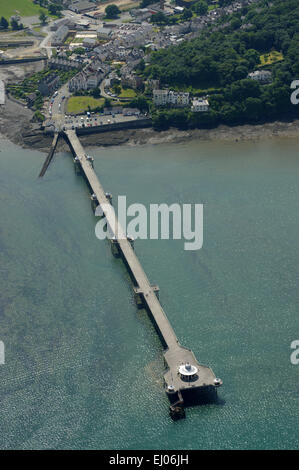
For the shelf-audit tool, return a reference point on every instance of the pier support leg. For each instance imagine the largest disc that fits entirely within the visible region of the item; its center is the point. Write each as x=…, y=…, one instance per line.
x=94, y=203
x=139, y=295
x=109, y=197
x=115, y=248
x=138, y=299
x=77, y=166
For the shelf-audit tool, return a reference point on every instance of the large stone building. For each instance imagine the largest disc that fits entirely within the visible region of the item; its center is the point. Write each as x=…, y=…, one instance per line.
x=82, y=6
x=171, y=98
x=60, y=36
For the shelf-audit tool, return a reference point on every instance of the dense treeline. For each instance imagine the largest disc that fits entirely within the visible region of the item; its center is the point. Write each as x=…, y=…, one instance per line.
x=221, y=59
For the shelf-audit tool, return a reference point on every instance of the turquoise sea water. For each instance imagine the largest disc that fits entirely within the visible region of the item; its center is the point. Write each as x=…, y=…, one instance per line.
x=83, y=366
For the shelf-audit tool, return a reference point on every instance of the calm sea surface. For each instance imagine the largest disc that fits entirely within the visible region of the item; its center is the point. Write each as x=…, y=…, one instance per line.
x=83, y=366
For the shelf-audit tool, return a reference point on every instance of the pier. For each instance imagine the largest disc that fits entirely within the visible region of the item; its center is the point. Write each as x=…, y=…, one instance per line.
x=185, y=378
x=50, y=155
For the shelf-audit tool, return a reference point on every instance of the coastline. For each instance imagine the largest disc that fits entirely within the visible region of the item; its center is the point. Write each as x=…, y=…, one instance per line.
x=15, y=125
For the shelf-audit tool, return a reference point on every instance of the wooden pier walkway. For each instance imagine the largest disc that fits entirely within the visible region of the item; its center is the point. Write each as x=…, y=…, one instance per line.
x=50, y=155
x=175, y=354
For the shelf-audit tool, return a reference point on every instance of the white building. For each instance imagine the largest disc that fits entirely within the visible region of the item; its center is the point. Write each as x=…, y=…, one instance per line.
x=199, y=105
x=173, y=98
x=2, y=92
x=262, y=76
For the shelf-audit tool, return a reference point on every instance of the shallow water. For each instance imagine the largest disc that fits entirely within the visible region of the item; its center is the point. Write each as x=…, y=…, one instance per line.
x=83, y=366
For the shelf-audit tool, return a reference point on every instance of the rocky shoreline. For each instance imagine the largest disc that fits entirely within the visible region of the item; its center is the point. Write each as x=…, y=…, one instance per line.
x=15, y=125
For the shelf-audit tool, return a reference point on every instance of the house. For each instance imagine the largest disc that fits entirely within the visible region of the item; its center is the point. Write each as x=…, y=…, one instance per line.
x=199, y=105
x=49, y=84
x=77, y=83
x=63, y=64
x=262, y=76
x=131, y=81
x=153, y=84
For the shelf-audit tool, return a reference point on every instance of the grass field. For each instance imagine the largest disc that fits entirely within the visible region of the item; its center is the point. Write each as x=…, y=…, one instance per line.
x=127, y=93
x=270, y=58
x=79, y=104
x=20, y=7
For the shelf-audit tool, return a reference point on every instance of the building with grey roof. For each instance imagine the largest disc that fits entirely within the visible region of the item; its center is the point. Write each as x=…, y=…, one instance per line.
x=82, y=6
x=60, y=36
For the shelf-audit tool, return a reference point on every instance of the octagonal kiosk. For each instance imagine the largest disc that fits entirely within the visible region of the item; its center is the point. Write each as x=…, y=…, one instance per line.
x=188, y=372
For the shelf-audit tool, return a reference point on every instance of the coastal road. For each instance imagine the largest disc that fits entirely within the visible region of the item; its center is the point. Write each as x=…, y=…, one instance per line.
x=59, y=105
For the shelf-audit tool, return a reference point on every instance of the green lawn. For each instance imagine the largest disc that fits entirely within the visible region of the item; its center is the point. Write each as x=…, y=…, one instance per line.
x=127, y=93
x=20, y=7
x=79, y=104
x=270, y=58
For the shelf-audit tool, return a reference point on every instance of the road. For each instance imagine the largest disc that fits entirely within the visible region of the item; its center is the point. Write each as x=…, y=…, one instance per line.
x=59, y=106
x=45, y=44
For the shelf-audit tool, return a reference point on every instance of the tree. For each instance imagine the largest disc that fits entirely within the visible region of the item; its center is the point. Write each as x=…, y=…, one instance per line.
x=200, y=8
x=43, y=18
x=140, y=102
x=117, y=89
x=15, y=25
x=79, y=50
x=187, y=14
x=55, y=9
x=3, y=23
x=112, y=11
x=159, y=18
x=96, y=93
